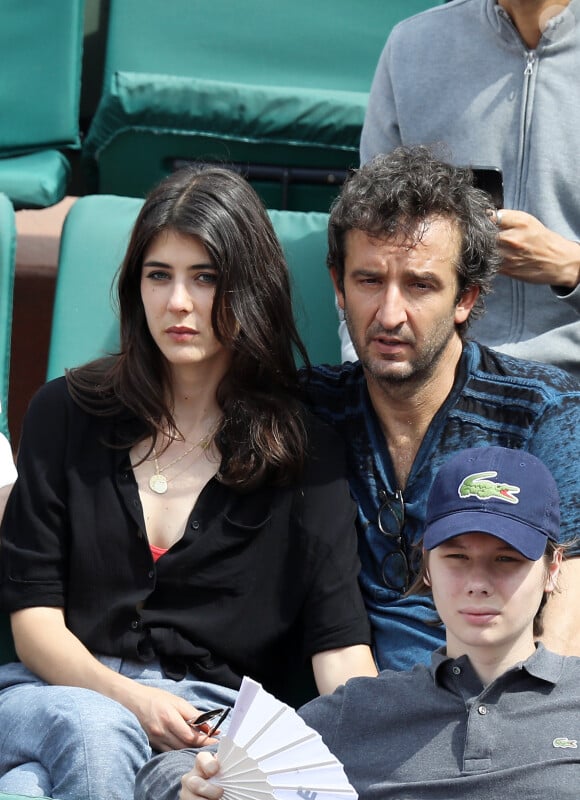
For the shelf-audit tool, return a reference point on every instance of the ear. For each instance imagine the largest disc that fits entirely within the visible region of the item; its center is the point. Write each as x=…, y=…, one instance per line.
x=337, y=290
x=553, y=572
x=465, y=304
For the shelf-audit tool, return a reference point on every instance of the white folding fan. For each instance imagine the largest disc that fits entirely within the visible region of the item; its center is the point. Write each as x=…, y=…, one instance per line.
x=270, y=752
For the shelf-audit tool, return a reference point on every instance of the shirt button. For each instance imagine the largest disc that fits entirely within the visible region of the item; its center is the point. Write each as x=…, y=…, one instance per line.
x=482, y=710
x=456, y=670
x=151, y=573
x=195, y=524
x=135, y=624
x=136, y=503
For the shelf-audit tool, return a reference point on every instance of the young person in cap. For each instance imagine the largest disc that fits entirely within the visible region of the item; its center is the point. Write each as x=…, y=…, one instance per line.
x=496, y=714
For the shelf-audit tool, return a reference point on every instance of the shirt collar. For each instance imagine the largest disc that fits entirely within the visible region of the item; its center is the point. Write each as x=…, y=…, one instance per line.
x=558, y=27
x=543, y=664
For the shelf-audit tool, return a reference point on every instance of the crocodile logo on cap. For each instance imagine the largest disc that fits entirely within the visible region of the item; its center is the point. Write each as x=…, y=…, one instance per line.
x=479, y=485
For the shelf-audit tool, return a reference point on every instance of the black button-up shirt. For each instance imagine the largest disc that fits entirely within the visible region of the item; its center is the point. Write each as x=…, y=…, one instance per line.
x=258, y=582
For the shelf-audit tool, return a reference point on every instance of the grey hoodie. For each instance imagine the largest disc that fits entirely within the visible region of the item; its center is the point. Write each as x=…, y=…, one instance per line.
x=460, y=74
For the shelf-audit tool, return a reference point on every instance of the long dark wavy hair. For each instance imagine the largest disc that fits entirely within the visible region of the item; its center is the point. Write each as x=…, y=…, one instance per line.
x=262, y=435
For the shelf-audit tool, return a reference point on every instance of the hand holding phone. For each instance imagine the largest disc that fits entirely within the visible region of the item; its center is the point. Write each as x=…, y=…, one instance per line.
x=490, y=180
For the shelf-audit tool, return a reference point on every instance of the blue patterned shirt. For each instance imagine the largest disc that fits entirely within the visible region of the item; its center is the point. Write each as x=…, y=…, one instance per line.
x=495, y=400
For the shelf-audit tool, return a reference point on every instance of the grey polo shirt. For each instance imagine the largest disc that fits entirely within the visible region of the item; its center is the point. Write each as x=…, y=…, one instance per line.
x=437, y=733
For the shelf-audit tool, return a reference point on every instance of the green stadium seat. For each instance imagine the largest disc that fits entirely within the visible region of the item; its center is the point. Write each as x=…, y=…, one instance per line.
x=41, y=46
x=4, y=796
x=7, y=266
x=94, y=238
x=279, y=89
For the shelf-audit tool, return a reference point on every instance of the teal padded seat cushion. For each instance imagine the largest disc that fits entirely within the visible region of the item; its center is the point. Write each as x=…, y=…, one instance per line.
x=269, y=86
x=326, y=44
x=4, y=796
x=200, y=107
x=41, y=45
x=7, y=267
x=36, y=180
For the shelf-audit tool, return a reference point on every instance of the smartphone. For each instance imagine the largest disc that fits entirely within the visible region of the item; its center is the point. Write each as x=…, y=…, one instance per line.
x=490, y=180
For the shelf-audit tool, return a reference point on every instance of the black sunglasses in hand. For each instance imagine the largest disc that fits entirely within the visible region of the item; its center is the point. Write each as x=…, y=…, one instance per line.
x=201, y=723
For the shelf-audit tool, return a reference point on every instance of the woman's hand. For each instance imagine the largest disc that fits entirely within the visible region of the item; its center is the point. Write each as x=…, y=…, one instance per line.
x=47, y=647
x=195, y=784
x=164, y=718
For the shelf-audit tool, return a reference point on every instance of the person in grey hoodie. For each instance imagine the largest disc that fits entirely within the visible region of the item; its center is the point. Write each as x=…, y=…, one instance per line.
x=497, y=84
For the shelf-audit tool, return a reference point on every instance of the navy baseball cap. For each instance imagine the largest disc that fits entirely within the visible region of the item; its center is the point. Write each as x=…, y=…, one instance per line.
x=507, y=493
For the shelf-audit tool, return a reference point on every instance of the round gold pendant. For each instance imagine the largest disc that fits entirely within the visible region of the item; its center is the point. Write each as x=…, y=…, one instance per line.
x=158, y=483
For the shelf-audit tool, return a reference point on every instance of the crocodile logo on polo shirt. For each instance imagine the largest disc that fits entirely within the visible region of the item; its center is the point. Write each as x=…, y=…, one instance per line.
x=478, y=484
x=563, y=741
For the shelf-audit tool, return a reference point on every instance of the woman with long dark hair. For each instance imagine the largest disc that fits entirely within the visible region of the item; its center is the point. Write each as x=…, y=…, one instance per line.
x=179, y=519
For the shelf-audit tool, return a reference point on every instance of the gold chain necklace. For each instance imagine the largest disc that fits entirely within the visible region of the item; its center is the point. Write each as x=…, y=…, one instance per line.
x=158, y=482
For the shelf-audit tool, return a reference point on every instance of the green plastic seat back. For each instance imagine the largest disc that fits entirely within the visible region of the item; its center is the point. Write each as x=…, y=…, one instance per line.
x=7, y=263
x=94, y=239
x=7, y=266
x=41, y=47
x=303, y=235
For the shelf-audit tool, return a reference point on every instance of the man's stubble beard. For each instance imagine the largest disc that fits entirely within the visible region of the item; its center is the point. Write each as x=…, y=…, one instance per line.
x=420, y=370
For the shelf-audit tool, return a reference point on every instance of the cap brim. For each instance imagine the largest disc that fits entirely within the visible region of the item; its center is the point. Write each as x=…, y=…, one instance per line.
x=527, y=540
